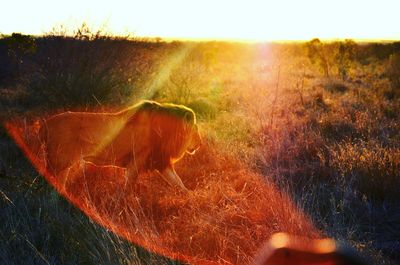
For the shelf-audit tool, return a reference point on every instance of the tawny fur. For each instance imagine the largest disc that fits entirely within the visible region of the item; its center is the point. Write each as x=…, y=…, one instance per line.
x=147, y=136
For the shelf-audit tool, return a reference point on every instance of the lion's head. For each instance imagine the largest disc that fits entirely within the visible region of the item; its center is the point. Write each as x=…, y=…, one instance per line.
x=175, y=131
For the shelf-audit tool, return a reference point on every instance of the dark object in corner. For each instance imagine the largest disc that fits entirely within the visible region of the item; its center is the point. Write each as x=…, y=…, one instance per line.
x=284, y=249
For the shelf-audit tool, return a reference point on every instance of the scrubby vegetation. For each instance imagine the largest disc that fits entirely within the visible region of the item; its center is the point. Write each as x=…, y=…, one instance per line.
x=318, y=121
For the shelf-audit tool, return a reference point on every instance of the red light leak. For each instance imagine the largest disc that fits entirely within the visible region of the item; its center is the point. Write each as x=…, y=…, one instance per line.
x=163, y=220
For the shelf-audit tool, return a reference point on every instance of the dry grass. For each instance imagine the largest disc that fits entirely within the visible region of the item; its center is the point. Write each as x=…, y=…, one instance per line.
x=226, y=217
x=284, y=145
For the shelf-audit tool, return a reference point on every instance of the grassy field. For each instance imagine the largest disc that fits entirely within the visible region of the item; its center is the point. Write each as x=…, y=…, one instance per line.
x=298, y=137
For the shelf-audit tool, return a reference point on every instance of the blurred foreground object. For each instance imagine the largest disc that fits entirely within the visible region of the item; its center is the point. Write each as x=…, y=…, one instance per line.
x=284, y=249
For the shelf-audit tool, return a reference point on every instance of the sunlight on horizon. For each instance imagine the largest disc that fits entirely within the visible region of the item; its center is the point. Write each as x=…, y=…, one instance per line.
x=253, y=20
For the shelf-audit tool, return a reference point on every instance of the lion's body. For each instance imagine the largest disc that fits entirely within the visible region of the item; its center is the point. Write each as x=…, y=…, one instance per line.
x=147, y=136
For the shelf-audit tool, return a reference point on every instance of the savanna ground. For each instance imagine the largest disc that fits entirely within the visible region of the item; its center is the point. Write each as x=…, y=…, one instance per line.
x=298, y=137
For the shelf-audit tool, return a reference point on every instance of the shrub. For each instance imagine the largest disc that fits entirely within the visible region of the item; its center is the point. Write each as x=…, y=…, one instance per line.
x=86, y=72
x=334, y=86
x=318, y=53
x=332, y=56
x=344, y=57
x=86, y=69
x=338, y=128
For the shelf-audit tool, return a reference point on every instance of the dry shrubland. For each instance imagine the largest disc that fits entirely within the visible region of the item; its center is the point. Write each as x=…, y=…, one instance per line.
x=300, y=137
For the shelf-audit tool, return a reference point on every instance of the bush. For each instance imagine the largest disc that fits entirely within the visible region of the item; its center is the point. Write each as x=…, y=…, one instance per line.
x=338, y=128
x=334, y=86
x=86, y=69
x=85, y=73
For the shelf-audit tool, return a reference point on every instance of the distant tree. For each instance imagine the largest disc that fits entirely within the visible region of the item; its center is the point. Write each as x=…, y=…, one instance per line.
x=332, y=56
x=344, y=57
x=381, y=51
x=19, y=44
x=18, y=48
x=318, y=54
x=396, y=46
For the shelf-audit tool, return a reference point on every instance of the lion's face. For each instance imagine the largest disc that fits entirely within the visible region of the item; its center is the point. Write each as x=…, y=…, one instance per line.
x=194, y=140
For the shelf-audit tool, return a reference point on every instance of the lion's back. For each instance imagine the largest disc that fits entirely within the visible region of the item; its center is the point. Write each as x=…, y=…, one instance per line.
x=70, y=135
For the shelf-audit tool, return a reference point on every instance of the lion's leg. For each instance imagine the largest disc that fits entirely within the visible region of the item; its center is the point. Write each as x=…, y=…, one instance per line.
x=172, y=178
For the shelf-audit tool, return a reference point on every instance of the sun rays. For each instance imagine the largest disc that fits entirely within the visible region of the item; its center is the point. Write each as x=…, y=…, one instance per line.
x=157, y=82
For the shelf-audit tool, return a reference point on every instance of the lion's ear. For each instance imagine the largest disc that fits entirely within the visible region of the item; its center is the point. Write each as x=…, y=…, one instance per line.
x=188, y=117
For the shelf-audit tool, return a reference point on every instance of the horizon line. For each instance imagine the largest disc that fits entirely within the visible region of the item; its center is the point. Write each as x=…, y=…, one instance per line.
x=219, y=39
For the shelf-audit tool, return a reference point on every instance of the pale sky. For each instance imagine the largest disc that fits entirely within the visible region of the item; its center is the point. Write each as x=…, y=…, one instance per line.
x=211, y=19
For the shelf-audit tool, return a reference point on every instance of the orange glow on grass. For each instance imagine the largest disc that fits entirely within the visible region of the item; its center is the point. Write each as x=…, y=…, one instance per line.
x=227, y=216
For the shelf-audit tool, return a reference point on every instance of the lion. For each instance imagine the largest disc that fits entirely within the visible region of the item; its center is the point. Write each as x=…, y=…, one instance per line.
x=148, y=136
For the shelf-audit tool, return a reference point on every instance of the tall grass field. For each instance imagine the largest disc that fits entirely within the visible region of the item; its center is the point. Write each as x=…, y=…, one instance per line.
x=299, y=137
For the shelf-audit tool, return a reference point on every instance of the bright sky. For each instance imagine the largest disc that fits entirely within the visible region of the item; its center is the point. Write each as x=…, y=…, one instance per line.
x=211, y=19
